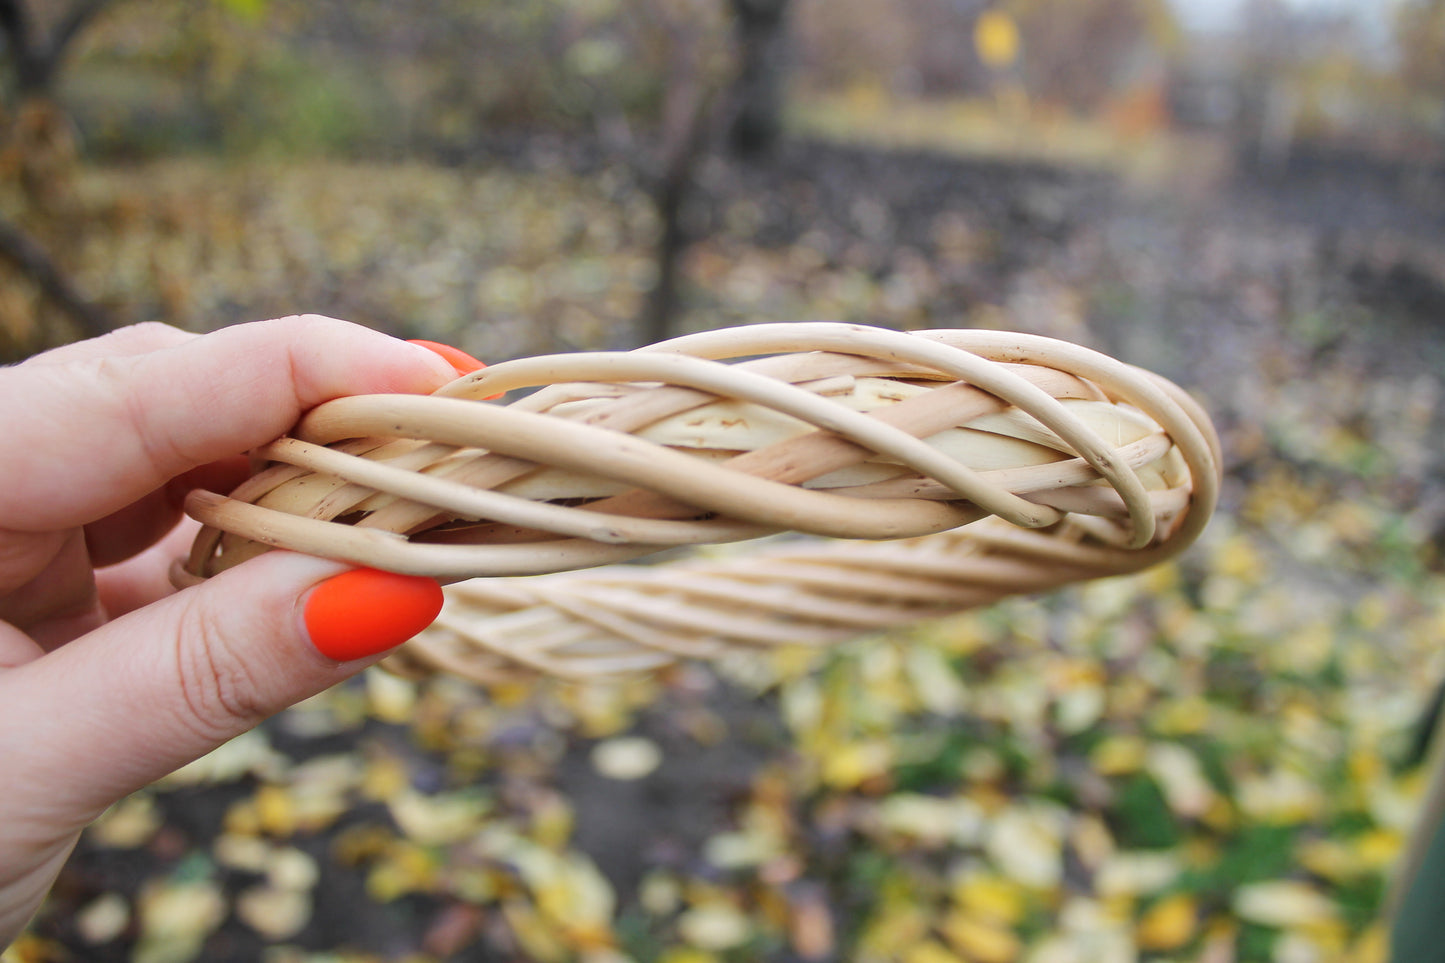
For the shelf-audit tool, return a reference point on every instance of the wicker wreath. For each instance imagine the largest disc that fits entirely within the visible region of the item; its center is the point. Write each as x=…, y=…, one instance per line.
x=931, y=471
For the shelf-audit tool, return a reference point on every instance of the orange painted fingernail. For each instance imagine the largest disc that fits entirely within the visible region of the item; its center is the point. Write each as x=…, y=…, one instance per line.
x=366, y=611
x=456, y=357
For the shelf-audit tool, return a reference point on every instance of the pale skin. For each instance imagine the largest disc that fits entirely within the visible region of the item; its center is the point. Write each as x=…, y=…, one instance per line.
x=109, y=678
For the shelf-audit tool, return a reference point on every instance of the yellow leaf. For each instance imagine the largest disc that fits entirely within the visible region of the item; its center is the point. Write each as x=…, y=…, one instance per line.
x=1169, y=923
x=1092, y=842
x=1378, y=848
x=539, y=939
x=552, y=822
x=440, y=819
x=29, y=948
x=1220, y=815
x=403, y=868
x=1283, y=903
x=991, y=898
x=248, y=754
x=1118, y=755
x=743, y=849
x=320, y=790
x=996, y=38
x=290, y=868
x=714, y=926
x=175, y=919
x=1373, y=946
x=1026, y=843
x=935, y=683
x=687, y=954
x=1238, y=558
x=626, y=758
x=384, y=777
x=1182, y=717
x=1305, y=650
x=853, y=763
x=930, y=952
x=932, y=820
x=361, y=843
x=1329, y=858
x=391, y=698
x=895, y=924
x=1181, y=778
x=128, y=824
x=275, y=811
x=576, y=897
x=659, y=893
x=241, y=818
x=246, y=853
x=981, y=941
x=103, y=919
x=274, y=912
x=1366, y=765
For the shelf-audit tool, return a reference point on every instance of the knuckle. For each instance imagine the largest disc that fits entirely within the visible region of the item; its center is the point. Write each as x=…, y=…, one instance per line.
x=160, y=448
x=219, y=695
x=148, y=332
x=308, y=322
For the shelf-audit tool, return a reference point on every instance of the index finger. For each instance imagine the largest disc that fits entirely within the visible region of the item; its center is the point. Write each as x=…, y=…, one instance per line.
x=101, y=431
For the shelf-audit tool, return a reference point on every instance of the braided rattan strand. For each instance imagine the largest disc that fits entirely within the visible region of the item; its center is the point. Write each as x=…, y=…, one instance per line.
x=1088, y=466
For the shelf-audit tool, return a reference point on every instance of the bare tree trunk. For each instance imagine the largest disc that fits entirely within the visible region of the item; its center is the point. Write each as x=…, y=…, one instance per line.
x=760, y=27
x=35, y=61
x=756, y=124
x=684, y=132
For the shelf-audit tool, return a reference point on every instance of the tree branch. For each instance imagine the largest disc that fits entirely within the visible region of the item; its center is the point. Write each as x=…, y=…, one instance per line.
x=71, y=25
x=26, y=254
x=37, y=59
x=16, y=25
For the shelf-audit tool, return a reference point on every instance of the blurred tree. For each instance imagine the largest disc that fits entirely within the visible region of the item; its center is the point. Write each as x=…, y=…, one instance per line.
x=670, y=176
x=38, y=151
x=762, y=70
x=1268, y=105
x=1420, y=34
x=36, y=55
x=693, y=92
x=923, y=47
x=1078, y=55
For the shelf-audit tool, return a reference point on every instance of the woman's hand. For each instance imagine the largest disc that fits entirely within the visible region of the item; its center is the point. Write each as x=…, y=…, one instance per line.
x=108, y=678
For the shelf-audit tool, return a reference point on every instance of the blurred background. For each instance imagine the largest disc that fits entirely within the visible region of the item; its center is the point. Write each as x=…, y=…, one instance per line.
x=1217, y=761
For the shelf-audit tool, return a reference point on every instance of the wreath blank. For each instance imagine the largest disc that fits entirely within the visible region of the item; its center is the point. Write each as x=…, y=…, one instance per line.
x=935, y=471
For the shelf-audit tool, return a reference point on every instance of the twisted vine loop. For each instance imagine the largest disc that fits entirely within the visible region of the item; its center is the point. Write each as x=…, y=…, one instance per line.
x=942, y=470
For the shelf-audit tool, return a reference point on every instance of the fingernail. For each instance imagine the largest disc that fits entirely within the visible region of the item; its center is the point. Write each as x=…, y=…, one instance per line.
x=366, y=611
x=457, y=358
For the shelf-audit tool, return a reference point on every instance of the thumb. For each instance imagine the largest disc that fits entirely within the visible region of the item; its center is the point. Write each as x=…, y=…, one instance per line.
x=146, y=694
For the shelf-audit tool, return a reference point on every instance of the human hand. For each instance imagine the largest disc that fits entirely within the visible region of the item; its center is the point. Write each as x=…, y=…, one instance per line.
x=109, y=679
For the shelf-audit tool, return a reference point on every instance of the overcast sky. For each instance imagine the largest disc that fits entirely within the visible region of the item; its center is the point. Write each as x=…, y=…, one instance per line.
x=1219, y=14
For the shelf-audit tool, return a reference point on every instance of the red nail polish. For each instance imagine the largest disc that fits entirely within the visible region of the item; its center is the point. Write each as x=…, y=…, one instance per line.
x=456, y=357
x=366, y=611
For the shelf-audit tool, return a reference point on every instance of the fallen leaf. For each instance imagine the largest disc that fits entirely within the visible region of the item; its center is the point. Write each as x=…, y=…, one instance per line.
x=1169, y=923
x=626, y=758
x=275, y=912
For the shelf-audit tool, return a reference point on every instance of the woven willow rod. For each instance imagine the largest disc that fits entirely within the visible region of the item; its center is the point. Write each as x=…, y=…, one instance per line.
x=942, y=469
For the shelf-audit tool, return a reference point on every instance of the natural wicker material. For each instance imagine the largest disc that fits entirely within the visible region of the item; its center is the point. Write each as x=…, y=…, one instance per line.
x=1088, y=466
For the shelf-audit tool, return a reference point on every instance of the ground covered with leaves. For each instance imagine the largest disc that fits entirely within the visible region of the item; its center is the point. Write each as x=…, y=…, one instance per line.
x=1207, y=762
